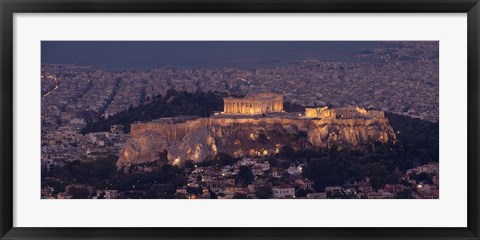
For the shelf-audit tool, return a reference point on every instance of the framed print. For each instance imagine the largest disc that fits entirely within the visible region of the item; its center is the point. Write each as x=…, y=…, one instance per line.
x=262, y=119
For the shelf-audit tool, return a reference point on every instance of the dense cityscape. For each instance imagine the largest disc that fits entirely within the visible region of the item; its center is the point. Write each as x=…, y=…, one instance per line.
x=399, y=78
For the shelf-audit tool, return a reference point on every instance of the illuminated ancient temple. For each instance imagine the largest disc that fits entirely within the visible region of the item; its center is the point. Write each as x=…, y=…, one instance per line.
x=320, y=112
x=253, y=104
x=342, y=113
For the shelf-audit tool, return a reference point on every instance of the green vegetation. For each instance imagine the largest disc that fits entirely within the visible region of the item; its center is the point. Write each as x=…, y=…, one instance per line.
x=239, y=196
x=219, y=160
x=417, y=144
x=264, y=192
x=88, y=172
x=418, y=140
x=79, y=193
x=172, y=104
x=223, y=159
x=161, y=182
x=293, y=107
x=422, y=177
x=245, y=176
x=302, y=192
x=262, y=138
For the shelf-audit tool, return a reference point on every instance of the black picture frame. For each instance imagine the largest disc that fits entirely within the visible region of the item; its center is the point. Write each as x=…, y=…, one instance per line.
x=9, y=7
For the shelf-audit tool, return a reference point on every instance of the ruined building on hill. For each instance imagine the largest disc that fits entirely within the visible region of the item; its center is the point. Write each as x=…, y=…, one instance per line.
x=261, y=103
x=342, y=113
x=237, y=130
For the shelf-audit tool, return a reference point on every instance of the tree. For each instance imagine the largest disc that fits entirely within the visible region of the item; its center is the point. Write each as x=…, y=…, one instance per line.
x=302, y=135
x=101, y=195
x=178, y=181
x=189, y=164
x=56, y=185
x=223, y=159
x=264, y=192
x=245, y=176
x=262, y=138
x=303, y=192
x=105, y=168
x=273, y=161
x=239, y=196
x=162, y=157
x=213, y=195
x=79, y=193
x=422, y=177
x=285, y=164
x=43, y=170
x=403, y=195
x=287, y=152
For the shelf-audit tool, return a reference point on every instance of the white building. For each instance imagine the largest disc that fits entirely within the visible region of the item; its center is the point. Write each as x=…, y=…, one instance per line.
x=245, y=162
x=283, y=191
x=292, y=170
x=429, y=168
x=111, y=194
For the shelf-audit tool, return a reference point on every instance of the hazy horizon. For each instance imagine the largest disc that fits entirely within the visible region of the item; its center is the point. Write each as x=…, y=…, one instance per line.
x=144, y=55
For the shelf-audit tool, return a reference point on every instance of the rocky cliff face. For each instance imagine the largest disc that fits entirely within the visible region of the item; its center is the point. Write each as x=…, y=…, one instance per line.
x=202, y=138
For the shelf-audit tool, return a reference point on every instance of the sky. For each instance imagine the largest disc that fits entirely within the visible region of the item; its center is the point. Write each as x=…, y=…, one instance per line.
x=145, y=55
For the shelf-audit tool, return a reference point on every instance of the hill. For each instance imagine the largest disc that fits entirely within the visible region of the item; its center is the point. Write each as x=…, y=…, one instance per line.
x=172, y=104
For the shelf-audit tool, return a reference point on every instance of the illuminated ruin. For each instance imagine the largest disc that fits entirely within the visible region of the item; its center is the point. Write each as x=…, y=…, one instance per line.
x=253, y=104
x=342, y=113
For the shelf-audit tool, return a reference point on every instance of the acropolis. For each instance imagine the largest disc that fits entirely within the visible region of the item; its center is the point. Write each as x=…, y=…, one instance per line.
x=342, y=113
x=264, y=103
x=254, y=104
x=243, y=119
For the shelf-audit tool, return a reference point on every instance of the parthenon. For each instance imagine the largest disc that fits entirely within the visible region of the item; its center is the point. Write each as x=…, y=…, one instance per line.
x=254, y=104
